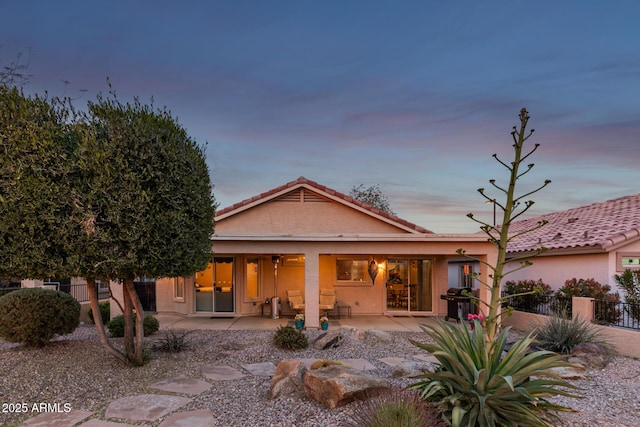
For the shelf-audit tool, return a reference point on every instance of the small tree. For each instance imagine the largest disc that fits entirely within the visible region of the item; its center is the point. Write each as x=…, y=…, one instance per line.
x=629, y=281
x=373, y=196
x=513, y=206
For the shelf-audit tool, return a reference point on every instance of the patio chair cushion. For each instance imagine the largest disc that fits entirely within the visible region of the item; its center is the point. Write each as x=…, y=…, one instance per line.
x=327, y=299
x=296, y=301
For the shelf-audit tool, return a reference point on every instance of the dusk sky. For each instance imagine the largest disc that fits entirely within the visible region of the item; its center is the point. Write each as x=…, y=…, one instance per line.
x=414, y=96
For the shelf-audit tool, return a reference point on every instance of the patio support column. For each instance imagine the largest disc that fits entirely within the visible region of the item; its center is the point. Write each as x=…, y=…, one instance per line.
x=311, y=289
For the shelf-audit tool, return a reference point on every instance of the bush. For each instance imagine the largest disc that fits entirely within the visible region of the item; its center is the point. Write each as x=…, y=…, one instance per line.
x=629, y=281
x=34, y=316
x=116, y=326
x=591, y=288
x=478, y=384
x=560, y=334
x=538, y=294
x=105, y=312
x=173, y=341
x=396, y=408
x=289, y=338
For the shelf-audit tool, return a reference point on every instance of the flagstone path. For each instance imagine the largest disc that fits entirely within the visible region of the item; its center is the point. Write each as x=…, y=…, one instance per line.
x=151, y=407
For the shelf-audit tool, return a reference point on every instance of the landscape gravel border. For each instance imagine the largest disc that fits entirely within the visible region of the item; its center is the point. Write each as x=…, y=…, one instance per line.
x=75, y=370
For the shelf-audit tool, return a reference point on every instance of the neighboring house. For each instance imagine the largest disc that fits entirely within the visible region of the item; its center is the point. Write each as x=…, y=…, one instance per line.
x=304, y=236
x=596, y=241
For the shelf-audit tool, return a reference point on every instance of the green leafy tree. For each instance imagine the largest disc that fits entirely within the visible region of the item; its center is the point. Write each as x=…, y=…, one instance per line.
x=36, y=144
x=513, y=206
x=118, y=192
x=143, y=205
x=373, y=196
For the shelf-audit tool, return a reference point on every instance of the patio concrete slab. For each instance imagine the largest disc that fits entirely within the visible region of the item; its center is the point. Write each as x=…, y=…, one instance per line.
x=144, y=407
x=263, y=369
x=222, y=373
x=58, y=419
x=182, y=384
x=100, y=423
x=198, y=418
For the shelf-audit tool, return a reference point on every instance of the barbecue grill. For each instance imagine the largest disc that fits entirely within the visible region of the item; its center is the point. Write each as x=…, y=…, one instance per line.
x=459, y=304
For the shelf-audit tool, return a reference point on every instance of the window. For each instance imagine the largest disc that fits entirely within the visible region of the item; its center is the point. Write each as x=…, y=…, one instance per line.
x=252, y=277
x=628, y=260
x=466, y=276
x=352, y=270
x=178, y=289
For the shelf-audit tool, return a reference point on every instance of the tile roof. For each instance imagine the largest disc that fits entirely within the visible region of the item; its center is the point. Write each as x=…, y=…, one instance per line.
x=302, y=181
x=599, y=226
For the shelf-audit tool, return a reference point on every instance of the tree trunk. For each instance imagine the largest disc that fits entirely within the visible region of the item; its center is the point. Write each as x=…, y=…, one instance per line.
x=97, y=318
x=137, y=356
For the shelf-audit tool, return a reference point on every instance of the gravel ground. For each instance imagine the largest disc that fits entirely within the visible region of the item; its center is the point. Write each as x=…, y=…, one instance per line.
x=76, y=370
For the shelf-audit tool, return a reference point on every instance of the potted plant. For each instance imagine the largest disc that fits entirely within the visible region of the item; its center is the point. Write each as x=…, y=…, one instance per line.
x=299, y=321
x=324, y=322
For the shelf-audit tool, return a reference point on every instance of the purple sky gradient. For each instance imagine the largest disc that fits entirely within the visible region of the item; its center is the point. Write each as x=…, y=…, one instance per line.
x=415, y=96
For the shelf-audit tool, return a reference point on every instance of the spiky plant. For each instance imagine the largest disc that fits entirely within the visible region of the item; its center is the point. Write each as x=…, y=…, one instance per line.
x=481, y=384
x=396, y=408
x=561, y=334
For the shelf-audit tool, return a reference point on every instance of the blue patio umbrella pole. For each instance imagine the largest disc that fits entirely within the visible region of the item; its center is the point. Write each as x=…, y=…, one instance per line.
x=275, y=301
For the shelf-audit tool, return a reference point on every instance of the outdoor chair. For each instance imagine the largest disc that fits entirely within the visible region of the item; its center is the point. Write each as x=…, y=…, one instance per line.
x=327, y=300
x=295, y=300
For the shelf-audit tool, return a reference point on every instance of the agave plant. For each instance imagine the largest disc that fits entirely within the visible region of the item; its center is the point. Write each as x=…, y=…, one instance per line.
x=481, y=384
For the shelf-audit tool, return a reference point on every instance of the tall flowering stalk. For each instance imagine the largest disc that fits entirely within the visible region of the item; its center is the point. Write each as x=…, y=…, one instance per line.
x=512, y=206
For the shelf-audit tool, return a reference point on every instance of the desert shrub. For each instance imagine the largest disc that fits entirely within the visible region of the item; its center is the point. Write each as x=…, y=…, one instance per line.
x=105, y=312
x=116, y=326
x=289, y=338
x=174, y=341
x=479, y=384
x=396, y=408
x=561, y=334
x=591, y=288
x=537, y=293
x=629, y=281
x=34, y=316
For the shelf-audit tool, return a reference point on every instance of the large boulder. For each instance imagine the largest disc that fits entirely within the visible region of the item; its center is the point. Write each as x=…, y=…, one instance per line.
x=590, y=355
x=331, y=339
x=353, y=332
x=287, y=378
x=412, y=368
x=379, y=336
x=337, y=385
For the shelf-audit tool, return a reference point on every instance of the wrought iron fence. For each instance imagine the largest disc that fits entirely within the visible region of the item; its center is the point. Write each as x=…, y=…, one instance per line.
x=80, y=291
x=539, y=304
x=619, y=314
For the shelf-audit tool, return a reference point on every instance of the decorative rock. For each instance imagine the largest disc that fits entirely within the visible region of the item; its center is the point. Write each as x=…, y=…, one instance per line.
x=331, y=339
x=411, y=368
x=570, y=373
x=336, y=385
x=591, y=355
x=198, y=418
x=379, y=336
x=287, y=379
x=353, y=333
x=144, y=407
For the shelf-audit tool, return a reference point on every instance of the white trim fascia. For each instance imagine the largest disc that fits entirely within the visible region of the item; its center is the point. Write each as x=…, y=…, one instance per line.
x=360, y=237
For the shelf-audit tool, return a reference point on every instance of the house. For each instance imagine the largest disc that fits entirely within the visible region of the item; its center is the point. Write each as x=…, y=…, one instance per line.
x=306, y=237
x=595, y=241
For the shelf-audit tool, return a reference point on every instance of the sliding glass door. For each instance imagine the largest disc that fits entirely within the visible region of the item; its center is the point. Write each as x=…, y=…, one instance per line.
x=409, y=285
x=214, y=287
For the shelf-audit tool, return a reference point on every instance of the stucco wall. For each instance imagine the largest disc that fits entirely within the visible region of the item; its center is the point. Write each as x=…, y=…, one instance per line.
x=555, y=270
x=300, y=218
x=626, y=341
